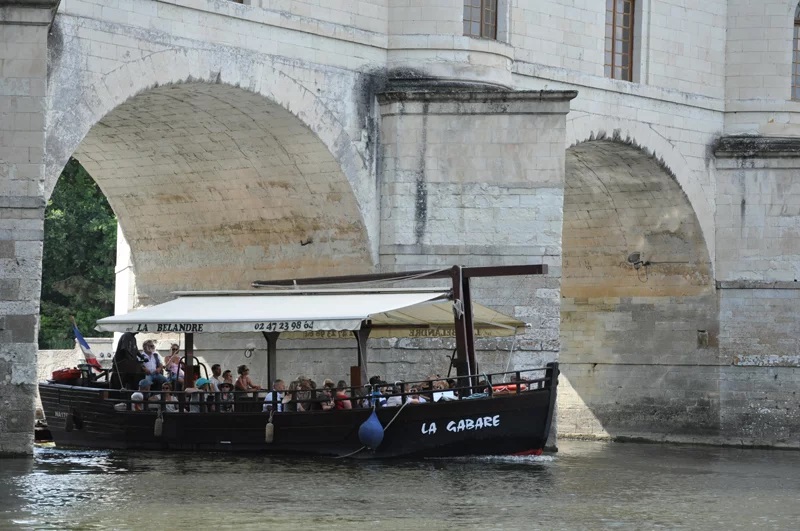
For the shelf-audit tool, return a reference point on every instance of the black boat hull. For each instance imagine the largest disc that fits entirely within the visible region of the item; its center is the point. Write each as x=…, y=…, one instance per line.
x=85, y=417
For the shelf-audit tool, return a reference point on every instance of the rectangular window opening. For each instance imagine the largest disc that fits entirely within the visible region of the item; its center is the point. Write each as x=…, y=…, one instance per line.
x=619, y=39
x=796, y=58
x=480, y=18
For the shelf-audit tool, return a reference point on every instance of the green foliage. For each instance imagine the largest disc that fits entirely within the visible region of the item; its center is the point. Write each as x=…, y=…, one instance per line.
x=80, y=242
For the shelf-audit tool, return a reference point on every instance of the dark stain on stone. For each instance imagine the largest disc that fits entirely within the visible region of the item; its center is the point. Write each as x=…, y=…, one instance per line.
x=421, y=199
x=742, y=211
x=616, y=136
x=55, y=46
x=368, y=86
x=410, y=79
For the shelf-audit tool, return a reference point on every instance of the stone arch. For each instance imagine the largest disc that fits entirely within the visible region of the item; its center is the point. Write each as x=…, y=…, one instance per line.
x=639, y=311
x=143, y=127
x=662, y=150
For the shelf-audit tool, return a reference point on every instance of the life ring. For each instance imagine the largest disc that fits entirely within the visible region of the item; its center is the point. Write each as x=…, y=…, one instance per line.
x=508, y=388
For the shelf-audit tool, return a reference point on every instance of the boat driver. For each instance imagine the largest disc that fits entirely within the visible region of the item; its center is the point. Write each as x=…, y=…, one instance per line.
x=152, y=365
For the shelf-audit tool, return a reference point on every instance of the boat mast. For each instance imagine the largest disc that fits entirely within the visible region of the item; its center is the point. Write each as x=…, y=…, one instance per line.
x=462, y=314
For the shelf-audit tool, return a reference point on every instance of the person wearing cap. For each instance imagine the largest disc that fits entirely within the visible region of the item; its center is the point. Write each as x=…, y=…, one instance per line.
x=206, y=394
x=275, y=397
x=195, y=396
x=137, y=398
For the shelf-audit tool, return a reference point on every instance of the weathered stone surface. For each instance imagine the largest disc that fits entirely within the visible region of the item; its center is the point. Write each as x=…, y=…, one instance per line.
x=23, y=69
x=22, y=327
x=6, y=249
x=243, y=142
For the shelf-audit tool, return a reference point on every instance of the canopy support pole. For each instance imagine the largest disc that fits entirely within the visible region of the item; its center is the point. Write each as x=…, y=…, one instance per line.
x=272, y=353
x=362, y=335
x=188, y=370
x=460, y=321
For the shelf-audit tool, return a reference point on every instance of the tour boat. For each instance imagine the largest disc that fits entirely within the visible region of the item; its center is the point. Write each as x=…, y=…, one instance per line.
x=485, y=414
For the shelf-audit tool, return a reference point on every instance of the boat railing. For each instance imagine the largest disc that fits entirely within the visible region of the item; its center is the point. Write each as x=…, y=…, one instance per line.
x=484, y=385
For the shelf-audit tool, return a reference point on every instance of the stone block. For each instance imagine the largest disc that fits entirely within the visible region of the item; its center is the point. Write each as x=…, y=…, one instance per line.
x=22, y=327
x=9, y=289
x=7, y=249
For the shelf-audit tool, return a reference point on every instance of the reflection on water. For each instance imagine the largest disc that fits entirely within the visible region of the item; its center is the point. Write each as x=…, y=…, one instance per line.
x=585, y=485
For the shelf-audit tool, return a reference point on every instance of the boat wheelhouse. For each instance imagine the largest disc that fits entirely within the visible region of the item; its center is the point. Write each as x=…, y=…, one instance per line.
x=500, y=413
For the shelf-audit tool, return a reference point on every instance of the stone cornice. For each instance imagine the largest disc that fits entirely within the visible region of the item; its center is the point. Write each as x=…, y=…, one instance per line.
x=750, y=146
x=470, y=100
x=757, y=284
x=40, y=4
x=471, y=94
x=28, y=12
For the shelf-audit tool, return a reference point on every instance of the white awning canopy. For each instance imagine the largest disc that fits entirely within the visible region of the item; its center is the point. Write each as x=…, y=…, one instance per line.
x=310, y=314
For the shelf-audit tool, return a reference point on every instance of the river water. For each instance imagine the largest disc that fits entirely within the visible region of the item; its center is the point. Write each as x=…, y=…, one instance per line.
x=586, y=485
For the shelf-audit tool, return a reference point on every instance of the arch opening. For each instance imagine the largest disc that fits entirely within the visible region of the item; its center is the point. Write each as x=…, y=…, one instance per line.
x=639, y=319
x=215, y=187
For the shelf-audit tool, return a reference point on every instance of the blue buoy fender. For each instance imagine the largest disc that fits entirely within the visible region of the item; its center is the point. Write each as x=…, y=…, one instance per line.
x=371, y=432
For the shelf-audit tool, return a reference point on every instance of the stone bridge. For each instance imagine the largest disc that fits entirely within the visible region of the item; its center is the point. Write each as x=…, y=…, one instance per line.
x=291, y=138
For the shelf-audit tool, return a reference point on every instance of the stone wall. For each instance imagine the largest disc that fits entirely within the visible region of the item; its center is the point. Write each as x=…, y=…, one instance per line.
x=758, y=268
x=678, y=47
x=23, y=26
x=476, y=178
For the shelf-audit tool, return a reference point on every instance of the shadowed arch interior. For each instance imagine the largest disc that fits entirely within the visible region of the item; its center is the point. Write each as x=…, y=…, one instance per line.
x=215, y=187
x=638, y=303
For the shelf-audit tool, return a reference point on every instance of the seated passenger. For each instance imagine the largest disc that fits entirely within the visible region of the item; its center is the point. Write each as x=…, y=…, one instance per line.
x=342, y=400
x=323, y=400
x=151, y=364
x=151, y=398
x=216, y=375
x=171, y=401
x=395, y=399
x=137, y=398
x=320, y=399
x=195, y=398
x=290, y=397
x=375, y=392
x=174, y=366
x=275, y=397
x=243, y=382
x=207, y=394
x=226, y=397
x=415, y=397
x=304, y=393
x=442, y=392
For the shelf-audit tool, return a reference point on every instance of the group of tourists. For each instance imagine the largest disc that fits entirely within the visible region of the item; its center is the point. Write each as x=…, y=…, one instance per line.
x=302, y=394
x=217, y=392
x=168, y=375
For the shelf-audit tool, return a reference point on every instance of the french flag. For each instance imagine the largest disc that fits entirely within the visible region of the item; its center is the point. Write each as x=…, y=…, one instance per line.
x=91, y=359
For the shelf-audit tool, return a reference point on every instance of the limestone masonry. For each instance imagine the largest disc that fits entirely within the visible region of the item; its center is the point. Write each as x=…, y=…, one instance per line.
x=647, y=151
